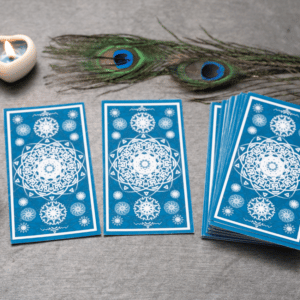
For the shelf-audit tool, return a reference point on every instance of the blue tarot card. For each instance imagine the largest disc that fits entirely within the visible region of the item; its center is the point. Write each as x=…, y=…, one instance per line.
x=50, y=179
x=260, y=189
x=146, y=184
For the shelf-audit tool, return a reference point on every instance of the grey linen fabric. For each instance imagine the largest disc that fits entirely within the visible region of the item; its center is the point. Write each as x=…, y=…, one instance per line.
x=143, y=267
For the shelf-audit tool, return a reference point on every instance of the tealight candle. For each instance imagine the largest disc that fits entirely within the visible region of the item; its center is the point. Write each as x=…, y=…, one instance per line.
x=17, y=57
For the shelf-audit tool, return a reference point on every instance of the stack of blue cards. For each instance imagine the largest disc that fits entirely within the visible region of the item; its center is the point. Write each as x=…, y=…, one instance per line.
x=252, y=190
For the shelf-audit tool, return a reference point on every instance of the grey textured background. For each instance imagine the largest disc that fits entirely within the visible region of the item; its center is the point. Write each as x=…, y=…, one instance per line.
x=143, y=267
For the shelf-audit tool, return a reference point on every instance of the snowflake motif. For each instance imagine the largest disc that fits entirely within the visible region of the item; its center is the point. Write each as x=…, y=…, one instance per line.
x=259, y=120
x=283, y=125
x=170, y=134
x=77, y=209
x=80, y=196
x=175, y=194
x=116, y=135
x=48, y=170
x=23, y=227
x=122, y=208
x=117, y=221
x=289, y=228
x=258, y=108
x=146, y=208
x=177, y=219
x=227, y=211
x=235, y=187
x=119, y=124
x=142, y=122
x=144, y=165
x=114, y=112
x=17, y=119
x=165, y=123
x=28, y=214
x=46, y=127
x=53, y=213
x=169, y=112
x=69, y=125
x=118, y=195
x=23, y=130
x=19, y=142
x=261, y=209
x=23, y=202
x=269, y=166
x=171, y=207
x=84, y=221
x=252, y=130
x=286, y=215
x=294, y=204
x=236, y=201
x=74, y=136
x=72, y=114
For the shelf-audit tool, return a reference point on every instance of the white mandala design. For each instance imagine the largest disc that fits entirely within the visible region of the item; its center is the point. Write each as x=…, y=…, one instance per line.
x=258, y=108
x=17, y=119
x=77, y=209
x=74, y=136
x=289, y=228
x=144, y=165
x=69, y=125
x=23, y=227
x=118, y=195
x=116, y=135
x=23, y=130
x=114, y=112
x=259, y=120
x=120, y=124
x=23, y=202
x=171, y=207
x=235, y=187
x=72, y=114
x=146, y=208
x=84, y=221
x=19, y=142
x=165, y=123
x=53, y=213
x=49, y=169
x=270, y=166
x=252, y=130
x=286, y=215
x=283, y=125
x=294, y=204
x=177, y=219
x=261, y=209
x=170, y=134
x=227, y=211
x=175, y=194
x=122, y=208
x=169, y=112
x=28, y=214
x=236, y=201
x=142, y=122
x=46, y=127
x=80, y=196
x=117, y=220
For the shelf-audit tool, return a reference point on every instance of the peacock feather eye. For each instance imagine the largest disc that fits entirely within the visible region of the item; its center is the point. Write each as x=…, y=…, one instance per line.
x=202, y=74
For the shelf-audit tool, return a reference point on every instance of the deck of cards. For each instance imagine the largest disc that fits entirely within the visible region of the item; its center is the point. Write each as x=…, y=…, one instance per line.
x=252, y=189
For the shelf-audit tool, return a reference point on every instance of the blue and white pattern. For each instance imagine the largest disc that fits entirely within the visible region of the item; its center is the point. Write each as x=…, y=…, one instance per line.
x=289, y=228
x=227, y=211
x=146, y=183
x=261, y=209
x=259, y=120
x=50, y=174
x=286, y=215
x=294, y=204
x=258, y=108
x=252, y=130
x=236, y=201
x=235, y=187
x=283, y=125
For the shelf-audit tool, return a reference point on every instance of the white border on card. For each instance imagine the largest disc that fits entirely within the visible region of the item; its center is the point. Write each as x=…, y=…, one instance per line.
x=8, y=113
x=106, y=105
x=230, y=169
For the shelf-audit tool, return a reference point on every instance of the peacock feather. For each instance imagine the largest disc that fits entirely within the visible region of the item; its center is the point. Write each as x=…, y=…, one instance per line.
x=204, y=66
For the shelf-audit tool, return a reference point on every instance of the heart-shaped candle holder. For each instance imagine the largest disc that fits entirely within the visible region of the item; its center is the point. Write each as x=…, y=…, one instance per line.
x=14, y=68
